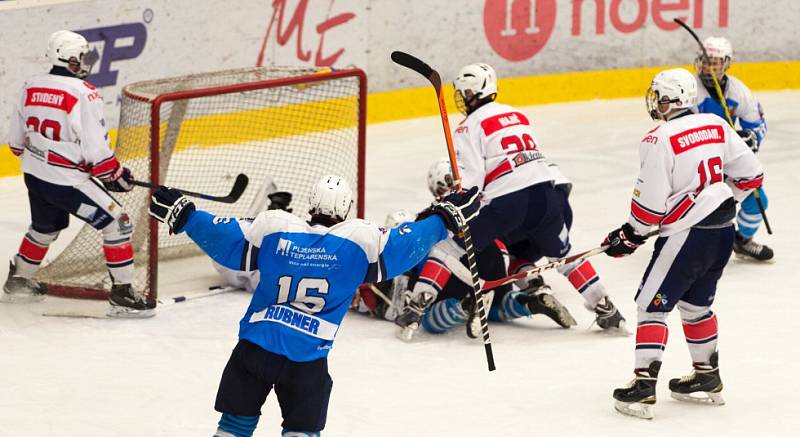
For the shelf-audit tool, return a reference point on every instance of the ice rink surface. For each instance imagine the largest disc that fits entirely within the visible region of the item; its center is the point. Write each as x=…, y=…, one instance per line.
x=158, y=377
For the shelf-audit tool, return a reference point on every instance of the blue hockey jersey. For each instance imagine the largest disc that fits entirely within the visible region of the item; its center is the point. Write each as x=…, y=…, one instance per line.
x=742, y=104
x=308, y=273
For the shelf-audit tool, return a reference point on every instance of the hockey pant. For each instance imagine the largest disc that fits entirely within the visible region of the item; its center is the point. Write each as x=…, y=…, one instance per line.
x=749, y=217
x=51, y=205
x=683, y=271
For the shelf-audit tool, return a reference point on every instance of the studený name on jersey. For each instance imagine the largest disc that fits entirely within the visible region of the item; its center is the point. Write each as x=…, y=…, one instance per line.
x=53, y=99
x=509, y=120
x=689, y=139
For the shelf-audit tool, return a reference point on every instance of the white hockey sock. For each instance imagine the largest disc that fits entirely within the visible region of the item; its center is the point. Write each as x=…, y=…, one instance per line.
x=32, y=251
x=651, y=338
x=700, y=329
x=586, y=281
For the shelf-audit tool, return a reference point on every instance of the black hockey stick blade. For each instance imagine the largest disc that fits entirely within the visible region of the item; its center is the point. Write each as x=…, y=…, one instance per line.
x=416, y=64
x=239, y=185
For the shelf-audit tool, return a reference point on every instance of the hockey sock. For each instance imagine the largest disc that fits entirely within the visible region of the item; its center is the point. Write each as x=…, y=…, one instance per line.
x=519, y=265
x=434, y=274
x=700, y=331
x=119, y=260
x=584, y=278
x=231, y=425
x=32, y=251
x=509, y=308
x=749, y=218
x=651, y=338
x=443, y=315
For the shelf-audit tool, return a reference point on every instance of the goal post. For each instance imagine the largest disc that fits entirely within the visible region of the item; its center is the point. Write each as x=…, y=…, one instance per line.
x=282, y=126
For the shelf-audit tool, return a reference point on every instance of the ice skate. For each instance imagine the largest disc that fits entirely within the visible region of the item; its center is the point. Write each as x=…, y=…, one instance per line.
x=410, y=315
x=639, y=397
x=537, y=298
x=608, y=317
x=127, y=303
x=747, y=248
x=473, y=315
x=18, y=289
x=702, y=386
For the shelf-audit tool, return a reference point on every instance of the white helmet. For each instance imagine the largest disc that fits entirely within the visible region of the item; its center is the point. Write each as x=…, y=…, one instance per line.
x=399, y=217
x=676, y=87
x=473, y=83
x=720, y=53
x=65, y=49
x=440, y=178
x=331, y=197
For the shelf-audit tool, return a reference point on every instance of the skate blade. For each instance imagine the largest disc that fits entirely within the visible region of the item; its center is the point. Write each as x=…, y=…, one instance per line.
x=73, y=315
x=749, y=259
x=21, y=298
x=703, y=398
x=636, y=409
x=407, y=333
x=619, y=331
x=120, y=312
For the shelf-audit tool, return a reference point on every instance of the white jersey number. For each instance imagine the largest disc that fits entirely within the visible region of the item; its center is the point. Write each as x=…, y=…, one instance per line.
x=302, y=300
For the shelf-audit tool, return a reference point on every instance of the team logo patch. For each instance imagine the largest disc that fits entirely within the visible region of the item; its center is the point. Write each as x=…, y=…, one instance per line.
x=660, y=299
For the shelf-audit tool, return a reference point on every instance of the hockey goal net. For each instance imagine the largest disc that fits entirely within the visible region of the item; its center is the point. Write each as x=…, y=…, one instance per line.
x=282, y=127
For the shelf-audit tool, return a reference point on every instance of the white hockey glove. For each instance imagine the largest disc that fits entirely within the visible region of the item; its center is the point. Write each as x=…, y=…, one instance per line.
x=119, y=181
x=171, y=207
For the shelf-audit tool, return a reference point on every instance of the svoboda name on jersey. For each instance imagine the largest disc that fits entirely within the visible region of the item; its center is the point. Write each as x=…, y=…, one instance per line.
x=696, y=137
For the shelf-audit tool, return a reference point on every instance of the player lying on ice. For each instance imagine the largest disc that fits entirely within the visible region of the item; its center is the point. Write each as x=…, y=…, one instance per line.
x=59, y=133
x=693, y=168
x=309, y=271
x=523, y=200
x=746, y=111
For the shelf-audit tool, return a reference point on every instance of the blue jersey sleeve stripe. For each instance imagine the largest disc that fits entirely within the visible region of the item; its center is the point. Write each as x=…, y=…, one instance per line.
x=249, y=260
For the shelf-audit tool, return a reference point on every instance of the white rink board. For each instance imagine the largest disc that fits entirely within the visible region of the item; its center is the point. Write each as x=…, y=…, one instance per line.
x=158, y=377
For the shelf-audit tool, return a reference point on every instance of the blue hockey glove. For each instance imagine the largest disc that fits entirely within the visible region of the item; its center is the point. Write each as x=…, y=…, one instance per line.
x=623, y=241
x=749, y=138
x=171, y=207
x=456, y=209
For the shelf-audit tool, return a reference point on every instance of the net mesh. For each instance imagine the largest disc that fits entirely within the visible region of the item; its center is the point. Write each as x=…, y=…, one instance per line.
x=282, y=137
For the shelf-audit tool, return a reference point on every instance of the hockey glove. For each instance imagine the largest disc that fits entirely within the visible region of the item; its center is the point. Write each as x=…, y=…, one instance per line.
x=749, y=138
x=623, y=241
x=280, y=200
x=456, y=209
x=119, y=181
x=171, y=207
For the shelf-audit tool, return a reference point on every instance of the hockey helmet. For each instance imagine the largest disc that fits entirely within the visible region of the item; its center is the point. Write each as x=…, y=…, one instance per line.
x=331, y=197
x=473, y=84
x=676, y=88
x=440, y=178
x=720, y=55
x=68, y=49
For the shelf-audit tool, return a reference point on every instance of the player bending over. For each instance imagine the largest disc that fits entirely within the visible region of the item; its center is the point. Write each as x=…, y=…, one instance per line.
x=58, y=131
x=521, y=204
x=437, y=303
x=746, y=110
x=309, y=273
x=693, y=167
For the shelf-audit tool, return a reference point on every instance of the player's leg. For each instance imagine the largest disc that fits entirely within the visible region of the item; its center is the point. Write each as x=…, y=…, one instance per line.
x=47, y=220
x=303, y=392
x=748, y=221
x=246, y=381
x=704, y=384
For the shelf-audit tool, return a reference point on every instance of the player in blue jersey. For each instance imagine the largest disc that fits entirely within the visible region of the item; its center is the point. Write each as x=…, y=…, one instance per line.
x=309, y=272
x=746, y=111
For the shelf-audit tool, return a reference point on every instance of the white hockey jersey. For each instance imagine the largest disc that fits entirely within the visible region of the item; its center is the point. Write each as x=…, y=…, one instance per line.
x=742, y=104
x=498, y=152
x=59, y=131
x=689, y=166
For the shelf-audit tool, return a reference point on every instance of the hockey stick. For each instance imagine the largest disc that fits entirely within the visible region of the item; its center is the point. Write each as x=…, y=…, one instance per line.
x=239, y=185
x=722, y=101
x=432, y=75
x=488, y=285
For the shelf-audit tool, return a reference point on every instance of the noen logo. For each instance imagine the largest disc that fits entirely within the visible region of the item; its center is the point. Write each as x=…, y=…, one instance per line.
x=110, y=44
x=284, y=247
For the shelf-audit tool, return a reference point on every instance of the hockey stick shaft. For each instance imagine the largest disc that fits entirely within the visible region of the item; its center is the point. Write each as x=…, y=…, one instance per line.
x=432, y=75
x=212, y=291
x=724, y=103
x=239, y=185
x=489, y=285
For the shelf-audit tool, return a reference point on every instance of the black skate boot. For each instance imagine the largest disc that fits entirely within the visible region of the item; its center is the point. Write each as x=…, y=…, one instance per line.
x=410, y=315
x=704, y=382
x=127, y=303
x=639, y=397
x=748, y=249
x=538, y=299
x=608, y=316
x=473, y=315
x=18, y=289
